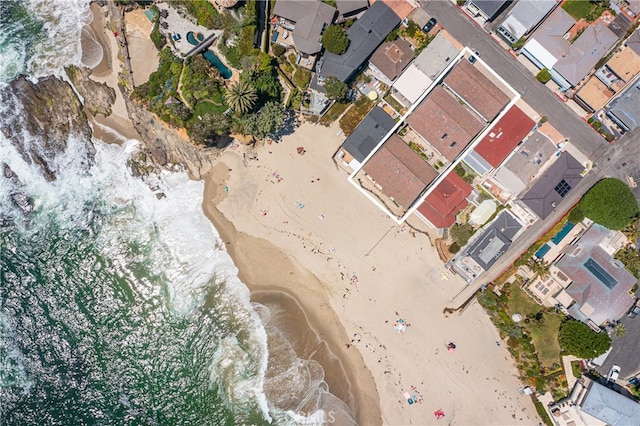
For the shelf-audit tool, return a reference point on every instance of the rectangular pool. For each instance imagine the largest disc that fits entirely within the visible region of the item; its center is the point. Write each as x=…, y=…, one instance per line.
x=562, y=233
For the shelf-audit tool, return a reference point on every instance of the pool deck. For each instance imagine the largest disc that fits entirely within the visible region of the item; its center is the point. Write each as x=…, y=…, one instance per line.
x=180, y=24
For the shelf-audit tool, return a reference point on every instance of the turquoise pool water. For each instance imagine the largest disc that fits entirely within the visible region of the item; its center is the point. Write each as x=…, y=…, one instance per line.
x=195, y=38
x=542, y=251
x=151, y=14
x=216, y=62
x=563, y=233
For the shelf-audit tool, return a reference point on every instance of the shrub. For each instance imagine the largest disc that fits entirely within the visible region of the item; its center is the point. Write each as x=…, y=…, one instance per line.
x=454, y=248
x=543, y=76
x=577, y=338
x=335, y=39
x=334, y=88
x=278, y=50
x=461, y=233
x=610, y=203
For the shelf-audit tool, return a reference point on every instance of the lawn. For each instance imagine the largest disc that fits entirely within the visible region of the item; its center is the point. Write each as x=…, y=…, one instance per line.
x=579, y=9
x=334, y=112
x=354, y=116
x=205, y=107
x=545, y=338
x=521, y=303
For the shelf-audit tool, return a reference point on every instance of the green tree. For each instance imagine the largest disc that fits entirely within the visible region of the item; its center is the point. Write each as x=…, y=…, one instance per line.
x=539, y=268
x=335, y=39
x=619, y=329
x=267, y=121
x=610, y=203
x=461, y=233
x=543, y=76
x=631, y=259
x=241, y=97
x=278, y=50
x=334, y=88
x=577, y=338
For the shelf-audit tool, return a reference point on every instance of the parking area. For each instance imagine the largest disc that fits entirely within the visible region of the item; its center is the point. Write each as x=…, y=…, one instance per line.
x=624, y=351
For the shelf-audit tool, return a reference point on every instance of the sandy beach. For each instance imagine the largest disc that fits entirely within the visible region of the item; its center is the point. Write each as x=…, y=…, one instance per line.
x=306, y=241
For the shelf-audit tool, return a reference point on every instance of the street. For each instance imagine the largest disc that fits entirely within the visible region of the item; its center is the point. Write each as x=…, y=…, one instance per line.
x=618, y=160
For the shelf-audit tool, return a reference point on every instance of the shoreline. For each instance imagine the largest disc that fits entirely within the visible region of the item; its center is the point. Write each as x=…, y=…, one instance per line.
x=283, y=275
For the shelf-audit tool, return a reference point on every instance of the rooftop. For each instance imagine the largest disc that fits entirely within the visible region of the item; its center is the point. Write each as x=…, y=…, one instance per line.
x=504, y=136
x=491, y=7
x=595, y=93
x=633, y=42
x=600, y=284
x=412, y=83
x=369, y=133
x=436, y=56
x=626, y=107
x=556, y=182
x=446, y=124
x=494, y=241
x=611, y=407
x=547, y=43
x=534, y=153
x=476, y=89
x=402, y=8
x=392, y=57
x=585, y=52
x=525, y=15
x=445, y=201
x=625, y=63
x=400, y=171
x=310, y=17
x=348, y=7
x=365, y=35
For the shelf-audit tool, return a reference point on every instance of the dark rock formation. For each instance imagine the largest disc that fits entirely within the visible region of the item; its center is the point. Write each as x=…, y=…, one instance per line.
x=98, y=97
x=39, y=120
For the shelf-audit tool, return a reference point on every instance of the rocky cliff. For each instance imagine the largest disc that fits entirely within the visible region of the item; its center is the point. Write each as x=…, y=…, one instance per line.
x=39, y=118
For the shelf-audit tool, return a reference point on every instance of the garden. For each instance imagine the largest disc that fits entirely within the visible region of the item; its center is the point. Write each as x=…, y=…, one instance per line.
x=356, y=113
x=587, y=10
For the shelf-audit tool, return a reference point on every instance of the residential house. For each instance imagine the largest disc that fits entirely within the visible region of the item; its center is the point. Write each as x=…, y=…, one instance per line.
x=390, y=59
x=350, y=8
x=445, y=201
x=369, y=133
x=473, y=87
x=525, y=164
x=400, y=173
x=596, y=286
x=523, y=17
x=553, y=185
x=486, y=247
x=486, y=10
x=568, y=61
x=426, y=68
x=300, y=24
x=444, y=123
x=402, y=8
x=503, y=137
x=625, y=109
x=365, y=35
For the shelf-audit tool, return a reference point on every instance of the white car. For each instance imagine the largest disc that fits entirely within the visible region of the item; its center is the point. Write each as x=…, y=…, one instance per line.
x=614, y=373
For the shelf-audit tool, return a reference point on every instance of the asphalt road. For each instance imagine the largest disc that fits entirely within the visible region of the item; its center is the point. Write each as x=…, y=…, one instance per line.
x=467, y=32
x=618, y=160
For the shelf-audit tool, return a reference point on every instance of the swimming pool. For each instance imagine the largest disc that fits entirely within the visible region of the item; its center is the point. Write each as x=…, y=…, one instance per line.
x=563, y=233
x=195, y=38
x=216, y=62
x=542, y=251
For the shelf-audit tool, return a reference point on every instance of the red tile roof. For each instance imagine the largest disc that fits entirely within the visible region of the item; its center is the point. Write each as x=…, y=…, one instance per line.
x=400, y=171
x=445, y=201
x=476, y=89
x=504, y=136
x=444, y=123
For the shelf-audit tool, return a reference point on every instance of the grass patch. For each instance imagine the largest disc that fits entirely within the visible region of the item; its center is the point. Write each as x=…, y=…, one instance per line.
x=334, y=112
x=354, y=116
x=521, y=303
x=575, y=369
x=301, y=78
x=588, y=10
x=545, y=337
x=205, y=107
x=542, y=412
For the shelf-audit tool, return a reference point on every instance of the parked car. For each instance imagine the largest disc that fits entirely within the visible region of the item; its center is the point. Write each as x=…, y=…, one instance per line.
x=429, y=25
x=635, y=311
x=614, y=373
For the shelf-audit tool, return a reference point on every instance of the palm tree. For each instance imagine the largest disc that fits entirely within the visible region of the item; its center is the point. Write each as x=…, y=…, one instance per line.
x=619, y=329
x=539, y=268
x=241, y=96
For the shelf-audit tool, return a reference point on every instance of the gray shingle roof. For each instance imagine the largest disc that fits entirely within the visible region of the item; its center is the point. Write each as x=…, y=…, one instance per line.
x=543, y=197
x=585, y=52
x=633, y=41
x=611, y=407
x=490, y=7
x=365, y=35
x=346, y=7
x=626, y=107
x=494, y=241
x=310, y=17
x=525, y=15
x=368, y=134
x=550, y=34
x=436, y=56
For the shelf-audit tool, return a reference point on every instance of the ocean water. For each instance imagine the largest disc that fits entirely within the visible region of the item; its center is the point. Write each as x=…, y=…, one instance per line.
x=118, y=302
